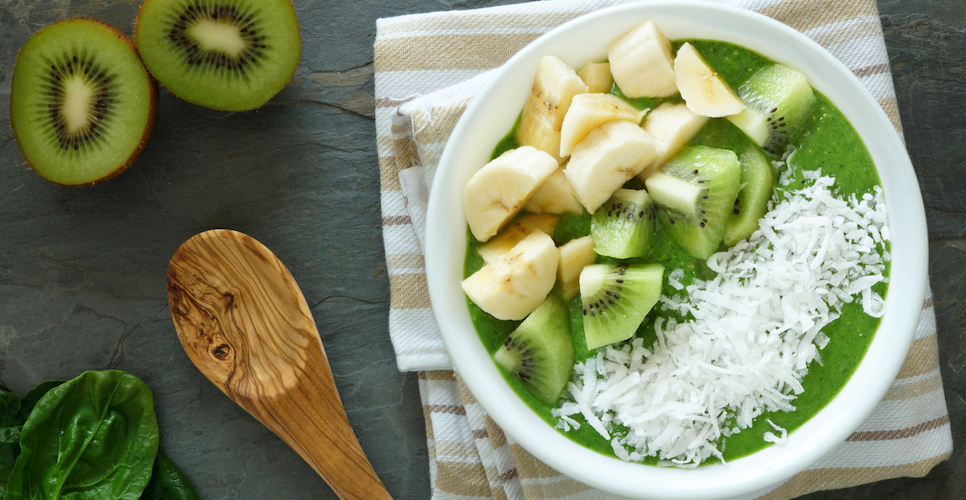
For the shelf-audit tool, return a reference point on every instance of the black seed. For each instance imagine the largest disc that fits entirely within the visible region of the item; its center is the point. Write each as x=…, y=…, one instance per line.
x=737, y=211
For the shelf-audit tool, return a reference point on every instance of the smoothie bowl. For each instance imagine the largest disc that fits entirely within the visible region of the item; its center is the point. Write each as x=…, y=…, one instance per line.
x=718, y=336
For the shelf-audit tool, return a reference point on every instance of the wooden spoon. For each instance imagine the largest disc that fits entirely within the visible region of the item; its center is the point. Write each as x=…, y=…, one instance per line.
x=244, y=323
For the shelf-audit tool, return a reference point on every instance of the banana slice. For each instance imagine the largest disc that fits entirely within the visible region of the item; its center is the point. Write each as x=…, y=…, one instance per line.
x=574, y=256
x=497, y=192
x=555, y=196
x=641, y=62
x=554, y=86
x=589, y=111
x=671, y=126
x=512, y=286
x=514, y=233
x=704, y=92
x=608, y=157
x=597, y=77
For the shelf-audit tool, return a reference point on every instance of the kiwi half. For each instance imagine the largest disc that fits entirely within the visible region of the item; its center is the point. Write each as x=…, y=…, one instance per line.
x=694, y=193
x=230, y=55
x=540, y=352
x=616, y=298
x=82, y=106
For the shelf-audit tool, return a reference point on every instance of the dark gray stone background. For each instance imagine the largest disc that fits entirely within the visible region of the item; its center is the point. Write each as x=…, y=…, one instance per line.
x=82, y=271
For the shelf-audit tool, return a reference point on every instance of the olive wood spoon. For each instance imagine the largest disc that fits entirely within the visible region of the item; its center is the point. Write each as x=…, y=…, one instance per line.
x=244, y=323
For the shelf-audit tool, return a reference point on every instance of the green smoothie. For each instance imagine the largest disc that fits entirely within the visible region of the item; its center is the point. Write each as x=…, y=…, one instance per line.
x=828, y=142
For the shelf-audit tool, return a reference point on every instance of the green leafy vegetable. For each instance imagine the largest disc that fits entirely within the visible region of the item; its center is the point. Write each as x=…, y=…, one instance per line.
x=13, y=413
x=30, y=399
x=10, y=425
x=168, y=483
x=92, y=438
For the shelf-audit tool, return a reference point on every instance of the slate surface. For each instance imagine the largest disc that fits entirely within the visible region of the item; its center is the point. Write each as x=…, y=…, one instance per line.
x=82, y=270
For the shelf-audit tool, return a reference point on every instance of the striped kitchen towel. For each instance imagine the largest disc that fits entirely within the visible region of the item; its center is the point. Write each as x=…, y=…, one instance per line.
x=427, y=68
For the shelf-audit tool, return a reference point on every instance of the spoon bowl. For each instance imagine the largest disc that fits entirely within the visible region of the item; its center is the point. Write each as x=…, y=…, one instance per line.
x=244, y=323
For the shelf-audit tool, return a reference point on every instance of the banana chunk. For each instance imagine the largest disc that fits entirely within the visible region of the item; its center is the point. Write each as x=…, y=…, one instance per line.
x=515, y=233
x=574, y=256
x=597, y=77
x=704, y=92
x=555, y=196
x=512, y=286
x=608, y=157
x=554, y=86
x=497, y=192
x=671, y=126
x=641, y=62
x=589, y=111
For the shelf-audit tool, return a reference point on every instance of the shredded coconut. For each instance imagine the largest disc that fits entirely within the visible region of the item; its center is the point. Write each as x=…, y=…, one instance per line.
x=750, y=332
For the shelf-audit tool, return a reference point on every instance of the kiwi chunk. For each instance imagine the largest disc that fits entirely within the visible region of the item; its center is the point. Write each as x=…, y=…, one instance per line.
x=757, y=187
x=777, y=100
x=540, y=352
x=616, y=298
x=623, y=227
x=230, y=55
x=694, y=193
x=82, y=106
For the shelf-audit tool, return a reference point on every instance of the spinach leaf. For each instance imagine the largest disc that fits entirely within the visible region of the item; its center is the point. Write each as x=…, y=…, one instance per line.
x=13, y=413
x=30, y=399
x=168, y=482
x=10, y=425
x=93, y=437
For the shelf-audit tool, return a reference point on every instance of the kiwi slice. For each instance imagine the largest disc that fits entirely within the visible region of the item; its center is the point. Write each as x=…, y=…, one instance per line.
x=540, y=352
x=616, y=298
x=230, y=55
x=757, y=187
x=623, y=226
x=694, y=193
x=82, y=106
x=777, y=100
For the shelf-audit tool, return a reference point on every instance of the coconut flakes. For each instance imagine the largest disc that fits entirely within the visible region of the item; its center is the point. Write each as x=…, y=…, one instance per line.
x=751, y=334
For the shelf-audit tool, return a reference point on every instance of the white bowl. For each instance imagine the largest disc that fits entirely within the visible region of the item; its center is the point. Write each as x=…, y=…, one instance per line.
x=493, y=112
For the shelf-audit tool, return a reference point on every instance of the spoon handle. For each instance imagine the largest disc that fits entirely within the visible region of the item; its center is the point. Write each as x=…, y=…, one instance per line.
x=312, y=420
x=244, y=322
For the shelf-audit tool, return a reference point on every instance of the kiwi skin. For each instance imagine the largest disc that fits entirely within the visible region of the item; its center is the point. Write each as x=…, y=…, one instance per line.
x=152, y=108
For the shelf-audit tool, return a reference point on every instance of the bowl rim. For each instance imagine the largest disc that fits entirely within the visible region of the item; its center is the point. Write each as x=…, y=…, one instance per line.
x=815, y=438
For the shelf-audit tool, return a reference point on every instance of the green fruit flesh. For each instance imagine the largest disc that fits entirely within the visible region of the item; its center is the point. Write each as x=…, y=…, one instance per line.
x=231, y=55
x=623, y=227
x=540, y=352
x=757, y=187
x=82, y=105
x=716, y=173
x=778, y=100
x=616, y=298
